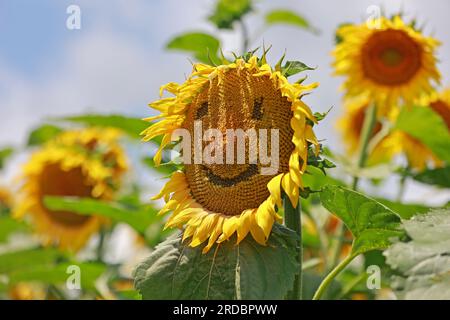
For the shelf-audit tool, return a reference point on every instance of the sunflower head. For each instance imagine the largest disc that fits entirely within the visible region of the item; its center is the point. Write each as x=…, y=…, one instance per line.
x=391, y=64
x=80, y=163
x=214, y=200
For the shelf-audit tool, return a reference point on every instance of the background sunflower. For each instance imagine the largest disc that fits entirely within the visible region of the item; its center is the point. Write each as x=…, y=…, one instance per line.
x=391, y=63
x=80, y=163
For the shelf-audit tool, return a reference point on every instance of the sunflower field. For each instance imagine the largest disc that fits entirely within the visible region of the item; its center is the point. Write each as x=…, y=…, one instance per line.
x=297, y=150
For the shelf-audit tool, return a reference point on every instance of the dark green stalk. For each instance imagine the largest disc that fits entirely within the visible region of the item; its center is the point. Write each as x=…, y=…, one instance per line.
x=292, y=219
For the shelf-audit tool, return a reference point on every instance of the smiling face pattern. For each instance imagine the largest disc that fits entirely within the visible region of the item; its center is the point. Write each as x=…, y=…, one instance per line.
x=238, y=101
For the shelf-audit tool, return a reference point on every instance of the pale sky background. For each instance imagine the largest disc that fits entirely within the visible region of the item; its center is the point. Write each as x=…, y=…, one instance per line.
x=117, y=62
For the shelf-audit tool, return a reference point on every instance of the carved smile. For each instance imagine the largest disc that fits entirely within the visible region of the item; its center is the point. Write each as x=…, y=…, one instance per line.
x=251, y=171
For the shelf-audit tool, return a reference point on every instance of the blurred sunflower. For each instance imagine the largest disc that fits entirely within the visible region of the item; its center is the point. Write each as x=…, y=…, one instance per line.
x=215, y=201
x=392, y=64
x=27, y=291
x=351, y=122
x=5, y=200
x=395, y=142
x=81, y=163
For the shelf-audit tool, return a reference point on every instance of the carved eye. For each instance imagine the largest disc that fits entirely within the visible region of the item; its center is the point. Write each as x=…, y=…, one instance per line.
x=258, y=108
x=202, y=111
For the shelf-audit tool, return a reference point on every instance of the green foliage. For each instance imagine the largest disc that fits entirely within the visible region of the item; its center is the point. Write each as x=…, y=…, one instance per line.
x=428, y=127
x=404, y=210
x=311, y=282
x=204, y=47
x=43, y=134
x=229, y=11
x=49, y=266
x=5, y=154
x=283, y=16
x=137, y=218
x=28, y=259
x=227, y=271
x=129, y=125
x=9, y=226
x=439, y=177
x=319, y=162
x=372, y=224
x=422, y=265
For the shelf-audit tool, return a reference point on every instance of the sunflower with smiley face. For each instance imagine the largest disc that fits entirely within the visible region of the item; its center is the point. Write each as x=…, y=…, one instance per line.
x=79, y=163
x=392, y=64
x=215, y=201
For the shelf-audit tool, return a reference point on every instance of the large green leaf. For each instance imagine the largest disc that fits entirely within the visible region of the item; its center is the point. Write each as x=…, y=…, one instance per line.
x=5, y=154
x=43, y=134
x=138, y=219
x=204, y=47
x=9, y=226
x=422, y=264
x=404, y=210
x=428, y=127
x=372, y=224
x=227, y=271
x=229, y=11
x=283, y=16
x=131, y=126
x=438, y=177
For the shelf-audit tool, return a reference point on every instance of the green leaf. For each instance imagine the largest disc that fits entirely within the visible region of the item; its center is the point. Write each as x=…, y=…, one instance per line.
x=319, y=162
x=283, y=16
x=422, y=265
x=438, y=177
x=5, y=154
x=229, y=11
x=293, y=67
x=9, y=226
x=372, y=224
x=58, y=274
x=428, y=127
x=203, y=46
x=227, y=271
x=43, y=134
x=28, y=259
x=405, y=210
x=137, y=219
x=129, y=125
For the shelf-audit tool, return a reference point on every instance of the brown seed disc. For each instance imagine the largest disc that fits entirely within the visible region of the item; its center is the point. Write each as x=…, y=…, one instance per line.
x=56, y=182
x=240, y=101
x=391, y=57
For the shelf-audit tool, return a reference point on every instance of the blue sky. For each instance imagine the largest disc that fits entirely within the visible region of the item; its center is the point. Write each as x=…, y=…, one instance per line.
x=117, y=62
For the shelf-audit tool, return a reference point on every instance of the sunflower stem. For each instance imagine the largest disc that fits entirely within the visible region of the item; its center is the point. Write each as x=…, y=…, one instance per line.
x=366, y=135
x=402, y=186
x=293, y=220
x=331, y=276
x=101, y=244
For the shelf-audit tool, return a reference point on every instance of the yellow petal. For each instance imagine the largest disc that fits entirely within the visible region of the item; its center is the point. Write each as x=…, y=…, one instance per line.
x=291, y=189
